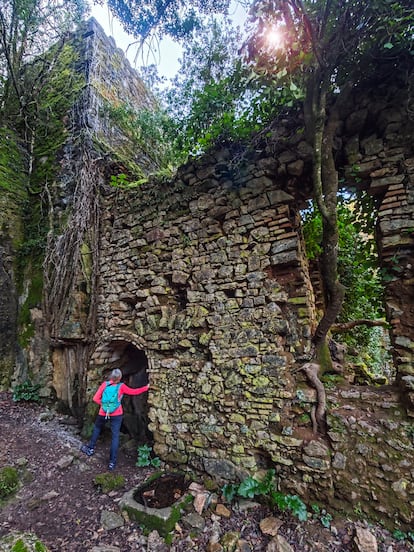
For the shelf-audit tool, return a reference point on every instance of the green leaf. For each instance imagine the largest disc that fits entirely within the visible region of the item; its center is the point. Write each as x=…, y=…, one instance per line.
x=156, y=462
x=292, y=503
x=388, y=45
x=248, y=488
x=229, y=491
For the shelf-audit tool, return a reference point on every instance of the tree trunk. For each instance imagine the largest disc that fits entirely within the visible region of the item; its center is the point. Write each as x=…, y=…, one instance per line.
x=325, y=185
x=325, y=188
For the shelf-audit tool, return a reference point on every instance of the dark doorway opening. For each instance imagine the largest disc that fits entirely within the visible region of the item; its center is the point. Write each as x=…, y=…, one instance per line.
x=133, y=363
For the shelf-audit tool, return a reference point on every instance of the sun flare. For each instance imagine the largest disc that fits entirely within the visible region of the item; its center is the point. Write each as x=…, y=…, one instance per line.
x=274, y=38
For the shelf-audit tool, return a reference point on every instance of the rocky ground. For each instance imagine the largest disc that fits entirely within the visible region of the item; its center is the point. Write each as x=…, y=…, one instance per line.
x=59, y=502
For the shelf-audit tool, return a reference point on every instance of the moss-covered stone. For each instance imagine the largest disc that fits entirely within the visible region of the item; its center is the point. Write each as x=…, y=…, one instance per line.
x=109, y=481
x=9, y=481
x=22, y=542
x=161, y=519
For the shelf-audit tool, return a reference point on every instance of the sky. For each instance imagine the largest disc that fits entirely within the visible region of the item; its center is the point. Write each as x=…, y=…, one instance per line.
x=165, y=55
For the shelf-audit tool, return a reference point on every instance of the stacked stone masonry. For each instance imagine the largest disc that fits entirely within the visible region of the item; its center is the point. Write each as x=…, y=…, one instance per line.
x=207, y=275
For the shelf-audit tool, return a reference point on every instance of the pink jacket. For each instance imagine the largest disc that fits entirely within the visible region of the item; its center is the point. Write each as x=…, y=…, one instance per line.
x=123, y=390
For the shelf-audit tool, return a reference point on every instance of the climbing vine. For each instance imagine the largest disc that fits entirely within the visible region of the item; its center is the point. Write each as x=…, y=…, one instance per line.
x=74, y=247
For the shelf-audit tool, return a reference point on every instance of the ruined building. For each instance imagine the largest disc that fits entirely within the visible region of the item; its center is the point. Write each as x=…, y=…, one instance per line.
x=201, y=285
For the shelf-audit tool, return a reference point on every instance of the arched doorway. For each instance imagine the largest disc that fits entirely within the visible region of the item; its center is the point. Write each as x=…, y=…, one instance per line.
x=131, y=359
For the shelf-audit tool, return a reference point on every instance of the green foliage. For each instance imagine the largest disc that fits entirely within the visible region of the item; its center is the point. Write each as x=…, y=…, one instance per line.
x=251, y=487
x=23, y=542
x=342, y=42
x=215, y=97
x=19, y=546
x=119, y=181
x=150, y=130
x=12, y=169
x=330, y=381
x=324, y=517
x=177, y=18
x=26, y=391
x=108, y=482
x=358, y=271
x=403, y=536
x=144, y=457
x=28, y=28
x=9, y=481
x=357, y=258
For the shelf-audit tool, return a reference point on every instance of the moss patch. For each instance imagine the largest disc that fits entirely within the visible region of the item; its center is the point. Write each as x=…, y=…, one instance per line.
x=9, y=481
x=22, y=542
x=108, y=482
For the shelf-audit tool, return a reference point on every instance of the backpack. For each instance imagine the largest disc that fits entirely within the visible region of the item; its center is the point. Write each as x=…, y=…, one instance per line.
x=110, y=398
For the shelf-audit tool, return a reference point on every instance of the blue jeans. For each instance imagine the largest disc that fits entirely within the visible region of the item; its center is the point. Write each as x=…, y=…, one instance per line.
x=116, y=422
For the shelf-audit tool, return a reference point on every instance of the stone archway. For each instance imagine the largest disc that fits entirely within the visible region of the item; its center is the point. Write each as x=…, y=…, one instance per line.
x=124, y=351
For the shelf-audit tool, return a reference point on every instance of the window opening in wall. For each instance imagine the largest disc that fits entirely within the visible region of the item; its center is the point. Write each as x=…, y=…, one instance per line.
x=180, y=297
x=133, y=363
x=361, y=348
x=230, y=293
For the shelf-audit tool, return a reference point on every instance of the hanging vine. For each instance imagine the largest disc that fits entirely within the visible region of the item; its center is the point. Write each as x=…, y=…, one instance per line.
x=64, y=251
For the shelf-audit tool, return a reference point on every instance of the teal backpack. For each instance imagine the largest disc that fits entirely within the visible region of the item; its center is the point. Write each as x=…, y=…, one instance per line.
x=110, y=398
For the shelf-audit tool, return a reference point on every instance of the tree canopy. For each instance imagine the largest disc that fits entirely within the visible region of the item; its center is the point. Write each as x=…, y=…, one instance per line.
x=177, y=18
x=27, y=29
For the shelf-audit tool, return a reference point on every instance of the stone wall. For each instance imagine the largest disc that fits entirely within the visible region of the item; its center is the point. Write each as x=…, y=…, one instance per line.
x=13, y=194
x=212, y=279
x=378, y=144
x=94, y=142
x=207, y=276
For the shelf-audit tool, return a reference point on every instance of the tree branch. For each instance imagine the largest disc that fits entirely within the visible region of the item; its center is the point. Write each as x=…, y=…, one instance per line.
x=346, y=326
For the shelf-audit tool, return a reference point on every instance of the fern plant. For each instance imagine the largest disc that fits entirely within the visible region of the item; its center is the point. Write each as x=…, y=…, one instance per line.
x=251, y=487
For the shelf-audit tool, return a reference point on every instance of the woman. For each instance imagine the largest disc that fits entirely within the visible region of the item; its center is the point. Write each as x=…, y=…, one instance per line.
x=114, y=413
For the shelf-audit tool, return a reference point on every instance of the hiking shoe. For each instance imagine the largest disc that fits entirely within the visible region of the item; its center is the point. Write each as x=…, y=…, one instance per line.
x=86, y=450
x=111, y=466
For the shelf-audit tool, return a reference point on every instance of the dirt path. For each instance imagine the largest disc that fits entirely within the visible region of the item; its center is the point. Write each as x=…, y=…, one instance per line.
x=59, y=502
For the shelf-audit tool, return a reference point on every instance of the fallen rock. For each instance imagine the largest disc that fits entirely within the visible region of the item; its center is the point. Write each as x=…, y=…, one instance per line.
x=111, y=520
x=49, y=496
x=65, y=462
x=243, y=546
x=222, y=511
x=201, y=497
x=365, y=541
x=279, y=544
x=246, y=505
x=270, y=526
x=230, y=540
x=194, y=521
x=214, y=547
x=156, y=543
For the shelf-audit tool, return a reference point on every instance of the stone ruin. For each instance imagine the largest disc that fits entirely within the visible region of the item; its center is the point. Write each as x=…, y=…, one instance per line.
x=202, y=286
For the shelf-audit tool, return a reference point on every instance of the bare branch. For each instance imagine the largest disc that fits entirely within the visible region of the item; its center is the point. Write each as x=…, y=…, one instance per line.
x=346, y=326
